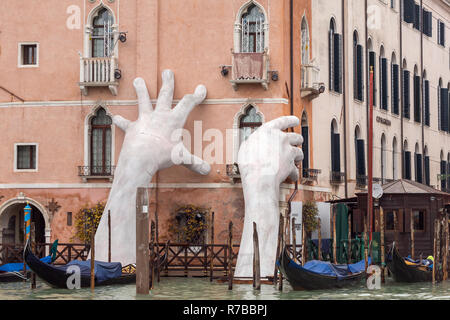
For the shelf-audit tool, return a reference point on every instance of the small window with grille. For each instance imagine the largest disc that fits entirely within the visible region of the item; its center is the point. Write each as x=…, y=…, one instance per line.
x=28, y=55
x=25, y=157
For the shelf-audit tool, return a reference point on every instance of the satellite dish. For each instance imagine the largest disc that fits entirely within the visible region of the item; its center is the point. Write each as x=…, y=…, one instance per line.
x=377, y=191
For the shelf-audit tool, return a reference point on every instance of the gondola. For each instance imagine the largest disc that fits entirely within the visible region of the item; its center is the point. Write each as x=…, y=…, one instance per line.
x=105, y=274
x=14, y=276
x=407, y=272
x=319, y=275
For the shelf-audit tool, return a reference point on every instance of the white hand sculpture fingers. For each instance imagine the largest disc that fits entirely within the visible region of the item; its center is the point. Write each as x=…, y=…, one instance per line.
x=121, y=122
x=189, y=101
x=283, y=123
x=166, y=93
x=194, y=163
x=294, y=175
x=298, y=155
x=145, y=104
x=295, y=139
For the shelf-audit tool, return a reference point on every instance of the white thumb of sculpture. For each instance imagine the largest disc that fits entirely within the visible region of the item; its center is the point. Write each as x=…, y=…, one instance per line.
x=148, y=146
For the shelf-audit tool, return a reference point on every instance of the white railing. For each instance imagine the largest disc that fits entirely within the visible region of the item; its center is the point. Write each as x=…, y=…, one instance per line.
x=310, y=77
x=97, y=70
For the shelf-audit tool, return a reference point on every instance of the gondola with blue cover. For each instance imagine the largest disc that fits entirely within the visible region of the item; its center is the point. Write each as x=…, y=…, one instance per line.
x=320, y=275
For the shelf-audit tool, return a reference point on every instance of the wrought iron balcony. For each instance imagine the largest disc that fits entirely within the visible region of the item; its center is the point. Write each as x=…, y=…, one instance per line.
x=99, y=72
x=96, y=172
x=250, y=68
x=310, y=85
x=337, y=177
x=310, y=175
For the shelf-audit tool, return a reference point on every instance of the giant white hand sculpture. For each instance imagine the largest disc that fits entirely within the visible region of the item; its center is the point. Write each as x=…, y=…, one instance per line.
x=265, y=160
x=151, y=143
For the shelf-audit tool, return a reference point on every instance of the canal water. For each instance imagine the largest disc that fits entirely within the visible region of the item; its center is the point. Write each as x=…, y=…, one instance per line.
x=203, y=289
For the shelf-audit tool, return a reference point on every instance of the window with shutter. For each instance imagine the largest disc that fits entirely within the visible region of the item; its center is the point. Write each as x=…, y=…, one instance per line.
x=448, y=176
x=305, y=147
x=360, y=157
x=384, y=81
x=419, y=168
x=408, y=11
x=360, y=72
x=395, y=86
x=427, y=17
x=441, y=33
x=444, y=109
x=443, y=181
x=406, y=100
x=372, y=63
x=336, y=153
x=416, y=23
x=427, y=102
x=408, y=165
x=337, y=77
x=417, y=99
x=331, y=58
x=427, y=170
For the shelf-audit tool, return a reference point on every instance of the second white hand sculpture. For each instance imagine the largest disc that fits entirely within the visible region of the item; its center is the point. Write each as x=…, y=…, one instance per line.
x=151, y=143
x=265, y=160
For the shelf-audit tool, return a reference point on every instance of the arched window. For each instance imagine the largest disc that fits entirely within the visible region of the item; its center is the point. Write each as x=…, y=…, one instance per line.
x=336, y=175
x=443, y=172
x=406, y=91
x=102, y=38
x=427, y=166
x=407, y=161
x=439, y=93
x=100, y=153
x=394, y=159
x=383, y=157
x=426, y=99
x=305, y=41
x=383, y=80
x=418, y=163
x=417, y=111
x=334, y=58
x=358, y=76
x=249, y=122
x=252, y=32
x=360, y=159
x=305, y=145
x=395, y=77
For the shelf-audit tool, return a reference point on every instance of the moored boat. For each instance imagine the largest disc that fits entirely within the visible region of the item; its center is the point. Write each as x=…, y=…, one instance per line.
x=316, y=275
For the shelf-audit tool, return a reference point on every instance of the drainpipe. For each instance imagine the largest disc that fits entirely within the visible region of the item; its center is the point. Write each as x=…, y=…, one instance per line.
x=422, y=93
x=344, y=92
x=401, y=91
x=366, y=30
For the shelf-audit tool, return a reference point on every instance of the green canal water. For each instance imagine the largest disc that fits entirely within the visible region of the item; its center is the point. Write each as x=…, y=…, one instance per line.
x=201, y=288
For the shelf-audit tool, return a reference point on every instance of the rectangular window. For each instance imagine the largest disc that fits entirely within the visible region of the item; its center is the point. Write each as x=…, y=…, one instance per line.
x=384, y=84
x=337, y=77
x=427, y=170
x=359, y=74
x=395, y=91
x=69, y=218
x=406, y=100
x=427, y=17
x=418, y=159
x=408, y=11
x=372, y=64
x=417, y=114
x=407, y=173
x=444, y=109
x=426, y=104
x=416, y=23
x=441, y=33
x=26, y=157
x=419, y=220
x=28, y=54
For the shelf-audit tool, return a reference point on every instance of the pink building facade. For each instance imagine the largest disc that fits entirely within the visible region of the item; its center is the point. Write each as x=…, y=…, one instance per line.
x=71, y=67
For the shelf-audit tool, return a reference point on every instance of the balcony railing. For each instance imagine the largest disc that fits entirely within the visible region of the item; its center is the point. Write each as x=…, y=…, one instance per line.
x=337, y=177
x=96, y=172
x=310, y=84
x=98, y=72
x=250, y=68
x=310, y=175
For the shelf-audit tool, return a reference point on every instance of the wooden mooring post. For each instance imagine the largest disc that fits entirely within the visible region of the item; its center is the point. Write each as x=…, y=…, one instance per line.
x=434, y=251
x=294, y=242
x=109, y=235
x=92, y=260
x=152, y=255
x=256, y=261
x=411, y=223
x=211, y=259
x=319, y=240
x=349, y=238
x=282, y=245
x=366, y=249
x=230, y=259
x=334, y=237
x=382, y=226
x=445, y=262
x=142, y=237
x=33, y=249
x=304, y=245
x=275, y=272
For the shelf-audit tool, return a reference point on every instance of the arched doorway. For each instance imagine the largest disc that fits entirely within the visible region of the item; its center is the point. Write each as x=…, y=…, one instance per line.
x=12, y=221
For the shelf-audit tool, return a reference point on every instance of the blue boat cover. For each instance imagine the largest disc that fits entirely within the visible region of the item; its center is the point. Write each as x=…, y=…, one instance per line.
x=103, y=270
x=334, y=270
x=12, y=267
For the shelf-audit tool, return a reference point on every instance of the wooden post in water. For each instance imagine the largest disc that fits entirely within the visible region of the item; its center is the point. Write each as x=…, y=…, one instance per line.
x=319, y=244
x=142, y=237
x=411, y=223
x=366, y=251
x=334, y=238
x=92, y=260
x=33, y=249
x=256, y=263
x=437, y=258
x=434, y=251
x=294, y=242
x=349, y=237
x=382, y=244
x=395, y=227
x=152, y=255
x=304, y=245
x=109, y=235
x=275, y=272
x=445, y=264
x=282, y=246
x=230, y=259
x=211, y=261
